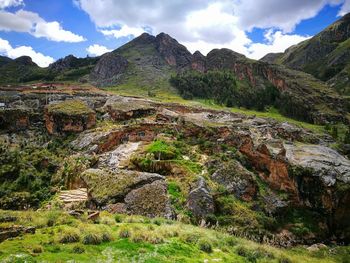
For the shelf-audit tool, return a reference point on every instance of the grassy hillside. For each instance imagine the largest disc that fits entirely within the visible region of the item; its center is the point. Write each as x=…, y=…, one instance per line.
x=326, y=55
x=119, y=238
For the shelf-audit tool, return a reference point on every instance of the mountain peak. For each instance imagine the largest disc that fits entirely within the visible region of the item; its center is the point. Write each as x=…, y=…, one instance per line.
x=172, y=51
x=25, y=61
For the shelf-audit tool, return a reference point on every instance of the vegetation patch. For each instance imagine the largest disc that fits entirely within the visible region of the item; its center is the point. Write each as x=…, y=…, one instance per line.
x=70, y=107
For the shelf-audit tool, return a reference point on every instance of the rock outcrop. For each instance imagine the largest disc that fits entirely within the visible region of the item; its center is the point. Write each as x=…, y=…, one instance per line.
x=128, y=191
x=174, y=53
x=108, y=69
x=200, y=202
x=69, y=116
x=237, y=180
x=122, y=109
x=15, y=119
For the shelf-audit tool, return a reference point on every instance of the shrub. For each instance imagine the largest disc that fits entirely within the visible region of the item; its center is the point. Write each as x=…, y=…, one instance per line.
x=253, y=255
x=92, y=239
x=284, y=260
x=37, y=249
x=70, y=235
x=118, y=218
x=205, y=245
x=78, y=249
x=124, y=233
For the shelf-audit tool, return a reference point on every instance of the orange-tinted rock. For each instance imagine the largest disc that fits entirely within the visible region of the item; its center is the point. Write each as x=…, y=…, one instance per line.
x=14, y=119
x=272, y=169
x=69, y=116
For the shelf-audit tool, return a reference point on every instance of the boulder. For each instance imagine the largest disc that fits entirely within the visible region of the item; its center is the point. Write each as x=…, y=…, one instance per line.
x=237, y=180
x=123, y=109
x=200, y=202
x=325, y=162
x=107, y=187
x=149, y=200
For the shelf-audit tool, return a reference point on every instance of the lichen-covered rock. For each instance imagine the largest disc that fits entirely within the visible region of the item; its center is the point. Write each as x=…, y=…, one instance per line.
x=237, y=180
x=107, y=187
x=69, y=116
x=123, y=109
x=325, y=162
x=149, y=200
x=200, y=202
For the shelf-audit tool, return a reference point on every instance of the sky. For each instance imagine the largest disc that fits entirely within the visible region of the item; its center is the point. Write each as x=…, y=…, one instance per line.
x=47, y=30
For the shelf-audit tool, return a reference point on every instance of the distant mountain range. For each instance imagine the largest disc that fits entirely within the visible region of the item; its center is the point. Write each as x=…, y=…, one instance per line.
x=149, y=61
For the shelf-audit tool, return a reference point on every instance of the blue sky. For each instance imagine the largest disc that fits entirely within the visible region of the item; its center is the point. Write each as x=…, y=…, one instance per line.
x=47, y=30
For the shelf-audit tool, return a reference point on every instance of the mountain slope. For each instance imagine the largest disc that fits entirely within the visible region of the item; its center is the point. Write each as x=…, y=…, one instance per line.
x=21, y=69
x=326, y=55
x=303, y=96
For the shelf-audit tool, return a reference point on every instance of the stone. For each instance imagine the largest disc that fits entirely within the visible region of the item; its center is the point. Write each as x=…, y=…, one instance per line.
x=237, y=180
x=200, y=202
x=110, y=187
x=325, y=162
x=14, y=231
x=149, y=200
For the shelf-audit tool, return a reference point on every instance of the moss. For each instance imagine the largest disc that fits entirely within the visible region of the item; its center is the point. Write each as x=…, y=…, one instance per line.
x=70, y=107
x=162, y=150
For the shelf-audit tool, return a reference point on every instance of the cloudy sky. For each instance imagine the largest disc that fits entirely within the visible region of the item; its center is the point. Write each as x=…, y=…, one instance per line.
x=47, y=30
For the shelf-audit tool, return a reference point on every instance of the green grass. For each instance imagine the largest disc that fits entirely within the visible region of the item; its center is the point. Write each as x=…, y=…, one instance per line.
x=157, y=240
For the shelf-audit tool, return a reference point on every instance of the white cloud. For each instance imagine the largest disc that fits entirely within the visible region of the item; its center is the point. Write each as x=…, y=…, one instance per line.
x=124, y=31
x=7, y=50
x=284, y=15
x=97, y=50
x=276, y=42
x=345, y=8
x=32, y=23
x=10, y=3
x=207, y=24
x=53, y=31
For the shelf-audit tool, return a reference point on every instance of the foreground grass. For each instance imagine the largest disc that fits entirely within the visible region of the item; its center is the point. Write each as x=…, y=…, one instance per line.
x=118, y=238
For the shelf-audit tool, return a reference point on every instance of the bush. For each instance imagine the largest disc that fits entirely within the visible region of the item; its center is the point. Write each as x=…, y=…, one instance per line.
x=124, y=233
x=253, y=255
x=78, y=249
x=205, y=245
x=92, y=239
x=118, y=218
x=69, y=236
x=37, y=249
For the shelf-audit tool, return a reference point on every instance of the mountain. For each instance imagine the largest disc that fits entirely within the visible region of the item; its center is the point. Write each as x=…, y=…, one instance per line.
x=146, y=64
x=308, y=98
x=18, y=70
x=326, y=55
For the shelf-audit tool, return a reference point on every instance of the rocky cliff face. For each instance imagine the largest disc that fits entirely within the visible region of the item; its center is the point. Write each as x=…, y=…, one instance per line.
x=174, y=53
x=108, y=69
x=69, y=116
x=306, y=92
